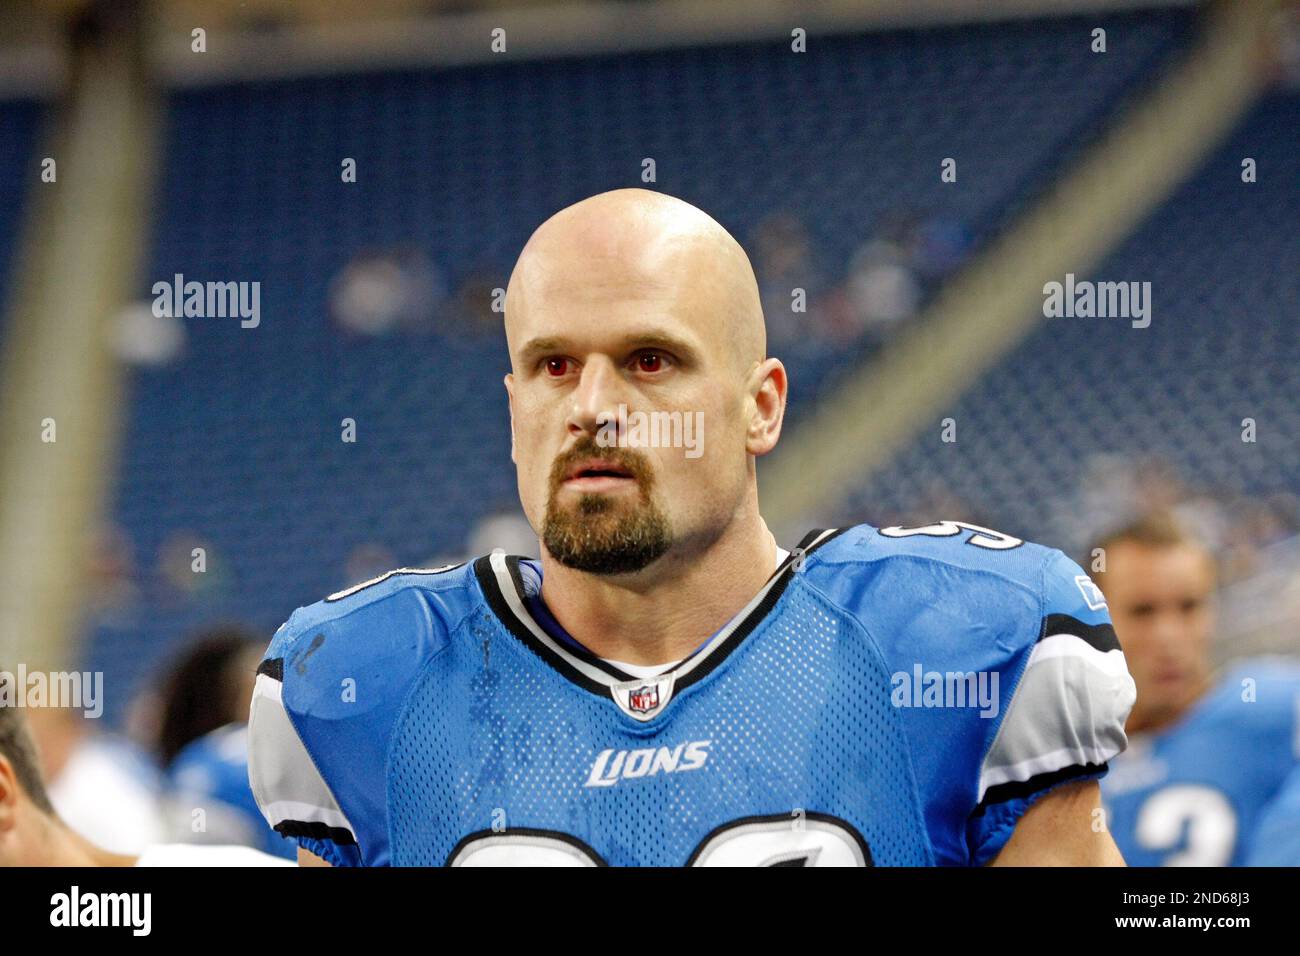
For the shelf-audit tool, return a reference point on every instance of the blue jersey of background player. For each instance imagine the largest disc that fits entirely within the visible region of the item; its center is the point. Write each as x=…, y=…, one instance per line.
x=1276, y=838
x=1209, y=754
x=1193, y=793
x=211, y=774
x=664, y=687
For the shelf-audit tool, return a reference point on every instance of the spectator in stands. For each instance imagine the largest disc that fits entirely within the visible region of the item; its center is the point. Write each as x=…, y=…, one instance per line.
x=893, y=272
x=783, y=262
x=112, y=588
x=367, y=561
x=471, y=314
x=386, y=290
x=190, y=570
x=882, y=285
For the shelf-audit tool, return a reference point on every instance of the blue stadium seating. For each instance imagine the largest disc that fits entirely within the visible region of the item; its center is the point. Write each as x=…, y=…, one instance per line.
x=20, y=122
x=239, y=443
x=1223, y=260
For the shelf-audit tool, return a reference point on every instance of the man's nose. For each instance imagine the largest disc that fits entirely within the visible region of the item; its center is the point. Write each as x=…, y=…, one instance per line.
x=1169, y=630
x=596, y=398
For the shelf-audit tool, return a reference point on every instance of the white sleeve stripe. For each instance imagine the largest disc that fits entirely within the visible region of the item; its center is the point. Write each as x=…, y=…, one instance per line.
x=1071, y=645
x=282, y=774
x=269, y=688
x=1047, y=763
x=1069, y=709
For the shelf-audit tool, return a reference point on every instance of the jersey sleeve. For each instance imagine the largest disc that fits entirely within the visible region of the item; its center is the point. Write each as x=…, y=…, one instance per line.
x=289, y=788
x=1065, y=718
x=328, y=695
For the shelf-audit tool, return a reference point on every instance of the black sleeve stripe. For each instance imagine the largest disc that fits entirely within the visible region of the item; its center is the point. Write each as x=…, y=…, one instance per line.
x=272, y=668
x=1100, y=636
x=1017, y=789
x=316, y=831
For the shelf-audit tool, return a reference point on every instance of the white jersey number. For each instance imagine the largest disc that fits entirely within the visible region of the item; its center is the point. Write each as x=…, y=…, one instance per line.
x=803, y=840
x=1208, y=817
x=982, y=538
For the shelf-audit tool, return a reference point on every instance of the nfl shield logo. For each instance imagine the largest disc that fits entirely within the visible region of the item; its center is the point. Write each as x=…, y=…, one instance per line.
x=643, y=699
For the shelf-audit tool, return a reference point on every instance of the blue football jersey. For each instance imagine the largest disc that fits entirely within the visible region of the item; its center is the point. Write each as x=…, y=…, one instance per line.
x=211, y=773
x=1194, y=793
x=893, y=696
x=1276, y=838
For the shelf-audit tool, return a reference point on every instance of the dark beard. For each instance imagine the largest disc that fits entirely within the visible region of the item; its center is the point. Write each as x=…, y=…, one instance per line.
x=601, y=535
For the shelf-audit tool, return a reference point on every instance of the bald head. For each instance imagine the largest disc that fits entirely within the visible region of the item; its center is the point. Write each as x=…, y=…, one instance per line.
x=634, y=246
x=629, y=316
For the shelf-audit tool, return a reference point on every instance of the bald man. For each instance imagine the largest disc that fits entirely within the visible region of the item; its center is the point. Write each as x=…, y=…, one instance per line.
x=667, y=685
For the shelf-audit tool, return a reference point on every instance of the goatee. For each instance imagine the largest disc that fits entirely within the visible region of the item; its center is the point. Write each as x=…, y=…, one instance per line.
x=605, y=534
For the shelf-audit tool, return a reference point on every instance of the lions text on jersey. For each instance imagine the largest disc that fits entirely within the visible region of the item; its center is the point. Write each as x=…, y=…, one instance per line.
x=891, y=696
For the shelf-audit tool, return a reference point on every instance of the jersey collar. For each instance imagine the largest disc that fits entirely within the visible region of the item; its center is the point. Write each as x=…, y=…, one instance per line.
x=501, y=580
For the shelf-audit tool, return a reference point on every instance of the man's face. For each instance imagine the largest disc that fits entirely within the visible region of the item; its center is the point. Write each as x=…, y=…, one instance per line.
x=585, y=343
x=1161, y=603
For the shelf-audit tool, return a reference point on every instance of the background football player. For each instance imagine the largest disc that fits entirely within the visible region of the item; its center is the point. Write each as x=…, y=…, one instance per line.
x=1208, y=752
x=201, y=743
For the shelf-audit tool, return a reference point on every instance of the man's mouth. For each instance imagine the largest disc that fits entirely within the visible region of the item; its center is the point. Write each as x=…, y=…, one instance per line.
x=1168, y=675
x=598, y=474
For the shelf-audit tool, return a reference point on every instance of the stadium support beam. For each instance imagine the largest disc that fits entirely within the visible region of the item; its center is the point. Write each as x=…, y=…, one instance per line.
x=998, y=300
x=78, y=264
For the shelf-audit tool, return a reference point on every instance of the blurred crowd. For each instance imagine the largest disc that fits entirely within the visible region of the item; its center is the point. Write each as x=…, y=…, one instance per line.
x=809, y=300
x=181, y=776
x=1113, y=490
